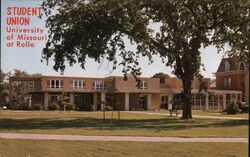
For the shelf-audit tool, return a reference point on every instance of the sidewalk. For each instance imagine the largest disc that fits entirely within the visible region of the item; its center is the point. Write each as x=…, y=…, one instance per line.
x=117, y=138
x=195, y=116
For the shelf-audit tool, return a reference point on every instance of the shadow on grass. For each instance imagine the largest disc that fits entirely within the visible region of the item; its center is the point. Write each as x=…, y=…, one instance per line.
x=89, y=123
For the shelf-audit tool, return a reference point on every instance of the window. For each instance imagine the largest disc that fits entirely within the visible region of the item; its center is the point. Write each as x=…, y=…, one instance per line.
x=162, y=80
x=164, y=99
x=54, y=83
x=143, y=85
x=242, y=66
x=227, y=66
x=227, y=82
x=77, y=84
x=98, y=85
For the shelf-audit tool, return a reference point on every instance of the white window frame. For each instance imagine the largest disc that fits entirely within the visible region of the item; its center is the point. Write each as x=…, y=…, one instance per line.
x=98, y=85
x=57, y=84
x=227, y=82
x=143, y=85
x=77, y=84
x=165, y=99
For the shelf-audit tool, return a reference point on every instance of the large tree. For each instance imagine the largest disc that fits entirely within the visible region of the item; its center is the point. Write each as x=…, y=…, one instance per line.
x=98, y=29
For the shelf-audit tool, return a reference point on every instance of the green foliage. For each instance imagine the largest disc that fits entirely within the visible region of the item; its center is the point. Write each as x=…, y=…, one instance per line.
x=69, y=106
x=37, y=107
x=232, y=108
x=53, y=106
x=203, y=86
x=64, y=104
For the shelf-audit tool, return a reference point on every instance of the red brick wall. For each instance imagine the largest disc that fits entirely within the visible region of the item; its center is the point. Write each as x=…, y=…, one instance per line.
x=236, y=81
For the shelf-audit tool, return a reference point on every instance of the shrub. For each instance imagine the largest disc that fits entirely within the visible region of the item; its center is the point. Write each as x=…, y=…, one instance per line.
x=244, y=108
x=232, y=108
x=69, y=106
x=108, y=108
x=37, y=107
x=53, y=107
x=239, y=105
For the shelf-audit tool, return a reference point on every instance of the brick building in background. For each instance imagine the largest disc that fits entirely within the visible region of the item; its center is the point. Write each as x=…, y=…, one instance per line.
x=233, y=75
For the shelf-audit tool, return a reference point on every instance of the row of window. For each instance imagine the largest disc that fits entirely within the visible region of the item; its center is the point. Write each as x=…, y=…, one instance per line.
x=80, y=84
x=76, y=84
x=227, y=66
x=54, y=83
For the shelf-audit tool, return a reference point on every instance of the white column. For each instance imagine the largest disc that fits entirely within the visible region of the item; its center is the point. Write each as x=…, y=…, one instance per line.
x=207, y=105
x=71, y=98
x=30, y=102
x=94, y=101
x=149, y=102
x=218, y=102
x=46, y=100
x=126, y=101
x=103, y=98
x=170, y=102
x=224, y=101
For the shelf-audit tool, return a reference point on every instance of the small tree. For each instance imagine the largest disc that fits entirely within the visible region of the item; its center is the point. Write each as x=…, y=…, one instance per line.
x=64, y=103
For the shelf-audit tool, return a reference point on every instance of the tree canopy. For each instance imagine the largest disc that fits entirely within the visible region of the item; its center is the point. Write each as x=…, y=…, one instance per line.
x=80, y=29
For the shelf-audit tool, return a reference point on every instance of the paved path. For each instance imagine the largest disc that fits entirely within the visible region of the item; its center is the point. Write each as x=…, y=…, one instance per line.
x=195, y=116
x=117, y=138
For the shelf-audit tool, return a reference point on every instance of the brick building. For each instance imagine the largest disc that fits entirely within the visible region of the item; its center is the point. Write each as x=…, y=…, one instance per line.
x=232, y=75
x=89, y=93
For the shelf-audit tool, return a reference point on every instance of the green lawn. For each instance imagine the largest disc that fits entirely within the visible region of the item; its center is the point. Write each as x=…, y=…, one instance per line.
x=43, y=148
x=215, y=113
x=131, y=124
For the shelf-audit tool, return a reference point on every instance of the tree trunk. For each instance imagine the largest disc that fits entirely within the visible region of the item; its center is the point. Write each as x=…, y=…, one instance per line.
x=186, y=99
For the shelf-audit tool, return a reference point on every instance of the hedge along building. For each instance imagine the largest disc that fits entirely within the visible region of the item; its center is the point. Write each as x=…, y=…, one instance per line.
x=91, y=93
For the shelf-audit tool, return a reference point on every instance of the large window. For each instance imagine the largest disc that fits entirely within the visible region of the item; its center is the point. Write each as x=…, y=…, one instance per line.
x=54, y=83
x=227, y=66
x=143, y=85
x=77, y=84
x=98, y=85
x=227, y=82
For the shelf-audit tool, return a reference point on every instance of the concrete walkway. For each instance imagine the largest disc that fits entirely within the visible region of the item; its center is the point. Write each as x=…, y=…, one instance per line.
x=117, y=138
x=195, y=116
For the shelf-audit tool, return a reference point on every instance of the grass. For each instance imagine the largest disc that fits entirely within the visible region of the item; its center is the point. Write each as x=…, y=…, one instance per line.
x=214, y=113
x=43, y=148
x=131, y=124
x=218, y=113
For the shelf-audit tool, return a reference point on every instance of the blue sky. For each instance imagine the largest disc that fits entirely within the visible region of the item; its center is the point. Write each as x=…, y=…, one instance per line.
x=29, y=59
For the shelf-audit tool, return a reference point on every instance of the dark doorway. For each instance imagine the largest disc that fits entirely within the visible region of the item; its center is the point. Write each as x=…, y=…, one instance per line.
x=164, y=102
x=143, y=102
